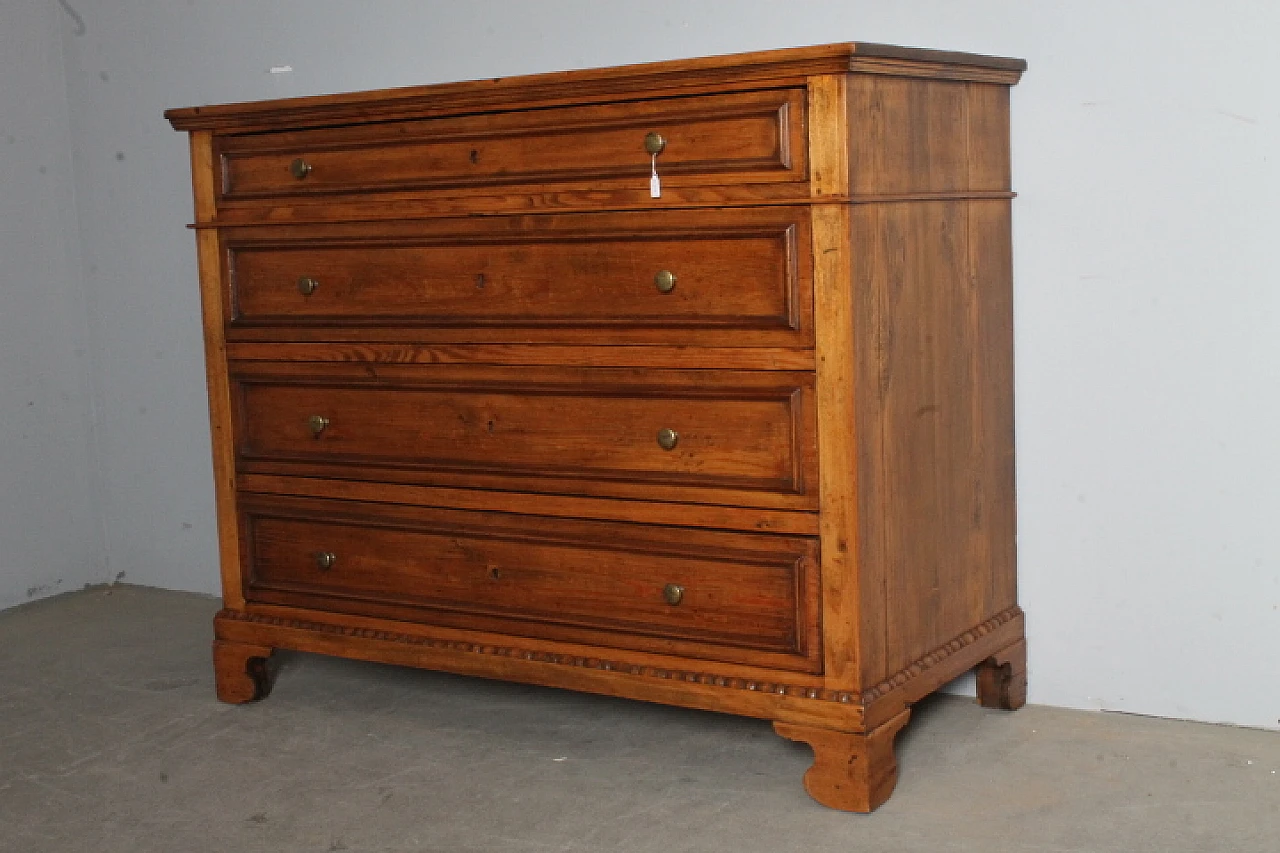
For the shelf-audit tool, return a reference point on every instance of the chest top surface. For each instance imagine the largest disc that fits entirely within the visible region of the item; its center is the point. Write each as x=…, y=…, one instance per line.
x=646, y=80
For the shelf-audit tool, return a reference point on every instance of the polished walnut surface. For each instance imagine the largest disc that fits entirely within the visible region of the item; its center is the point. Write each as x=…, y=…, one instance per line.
x=482, y=402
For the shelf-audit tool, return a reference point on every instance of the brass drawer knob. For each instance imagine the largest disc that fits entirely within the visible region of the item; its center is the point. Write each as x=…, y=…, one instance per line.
x=654, y=143
x=299, y=168
x=665, y=281
x=317, y=424
x=673, y=593
x=325, y=560
x=307, y=285
x=667, y=438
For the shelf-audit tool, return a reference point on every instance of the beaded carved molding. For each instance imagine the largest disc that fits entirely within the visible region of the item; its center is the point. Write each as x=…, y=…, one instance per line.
x=867, y=697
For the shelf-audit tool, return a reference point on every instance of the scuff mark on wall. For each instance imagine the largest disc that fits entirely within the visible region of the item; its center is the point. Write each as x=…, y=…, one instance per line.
x=80, y=29
x=1244, y=119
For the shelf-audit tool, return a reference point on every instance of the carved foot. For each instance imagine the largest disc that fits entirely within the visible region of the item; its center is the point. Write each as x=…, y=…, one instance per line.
x=241, y=672
x=852, y=772
x=1002, y=678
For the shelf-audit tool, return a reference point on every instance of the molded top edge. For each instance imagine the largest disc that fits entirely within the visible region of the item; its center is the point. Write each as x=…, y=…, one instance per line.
x=647, y=79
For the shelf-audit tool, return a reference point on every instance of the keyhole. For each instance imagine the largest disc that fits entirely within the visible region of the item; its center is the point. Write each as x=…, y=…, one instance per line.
x=495, y=573
x=479, y=281
x=475, y=156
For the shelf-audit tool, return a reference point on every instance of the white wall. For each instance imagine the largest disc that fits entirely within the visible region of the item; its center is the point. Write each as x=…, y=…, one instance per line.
x=1147, y=155
x=50, y=528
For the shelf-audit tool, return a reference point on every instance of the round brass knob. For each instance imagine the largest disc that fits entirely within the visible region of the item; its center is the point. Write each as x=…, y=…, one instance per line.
x=299, y=168
x=654, y=143
x=673, y=593
x=317, y=424
x=307, y=285
x=325, y=560
x=667, y=438
x=665, y=281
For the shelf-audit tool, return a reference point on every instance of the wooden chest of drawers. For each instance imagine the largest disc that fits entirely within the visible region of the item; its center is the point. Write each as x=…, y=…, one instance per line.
x=483, y=401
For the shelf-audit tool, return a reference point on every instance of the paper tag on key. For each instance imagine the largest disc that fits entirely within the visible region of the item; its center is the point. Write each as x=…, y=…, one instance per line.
x=655, y=183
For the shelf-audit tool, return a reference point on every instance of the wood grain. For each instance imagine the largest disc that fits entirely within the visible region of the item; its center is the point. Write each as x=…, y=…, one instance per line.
x=217, y=383
x=734, y=270
x=749, y=434
x=1002, y=678
x=587, y=196
x=241, y=671
x=717, y=517
x=937, y=416
x=990, y=270
x=649, y=80
x=941, y=665
x=749, y=137
x=542, y=355
x=830, y=535
x=828, y=137
x=926, y=137
x=741, y=594
x=987, y=112
x=850, y=636
x=669, y=679
x=851, y=771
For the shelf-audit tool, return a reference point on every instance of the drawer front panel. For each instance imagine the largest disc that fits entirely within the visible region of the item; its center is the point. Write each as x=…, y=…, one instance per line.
x=679, y=269
x=714, y=139
x=537, y=429
x=753, y=592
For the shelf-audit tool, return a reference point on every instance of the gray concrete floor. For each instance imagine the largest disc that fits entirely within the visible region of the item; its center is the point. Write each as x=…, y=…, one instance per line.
x=111, y=740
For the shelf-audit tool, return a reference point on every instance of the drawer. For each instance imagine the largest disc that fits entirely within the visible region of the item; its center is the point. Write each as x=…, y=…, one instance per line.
x=737, y=437
x=718, y=594
x=751, y=137
x=669, y=271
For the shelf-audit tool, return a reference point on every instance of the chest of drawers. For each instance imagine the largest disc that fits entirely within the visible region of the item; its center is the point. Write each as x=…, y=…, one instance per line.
x=484, y=401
